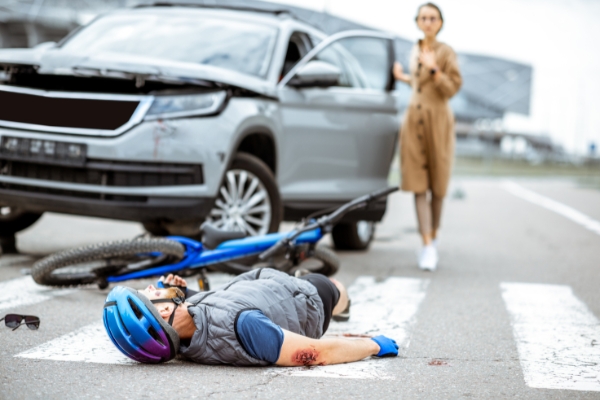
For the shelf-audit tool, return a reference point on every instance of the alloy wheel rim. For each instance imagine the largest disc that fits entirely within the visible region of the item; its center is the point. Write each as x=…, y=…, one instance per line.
x=364, y=229
x=243, y=204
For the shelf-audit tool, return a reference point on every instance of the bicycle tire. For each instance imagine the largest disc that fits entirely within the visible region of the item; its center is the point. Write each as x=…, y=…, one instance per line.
x=330, y=260
x=42, y=271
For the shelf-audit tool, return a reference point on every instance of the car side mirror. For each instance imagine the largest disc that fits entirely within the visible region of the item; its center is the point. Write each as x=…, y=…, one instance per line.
x=316, y=74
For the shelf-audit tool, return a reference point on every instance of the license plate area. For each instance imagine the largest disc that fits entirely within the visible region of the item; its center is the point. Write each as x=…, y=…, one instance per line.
x=43, y=151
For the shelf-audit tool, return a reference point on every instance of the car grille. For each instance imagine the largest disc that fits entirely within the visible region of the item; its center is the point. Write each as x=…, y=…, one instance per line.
x=108, y=173
x=43, y=109
x=76, y=194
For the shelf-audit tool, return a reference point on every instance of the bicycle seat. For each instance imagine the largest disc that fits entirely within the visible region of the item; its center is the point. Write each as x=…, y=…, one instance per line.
x=212, y=236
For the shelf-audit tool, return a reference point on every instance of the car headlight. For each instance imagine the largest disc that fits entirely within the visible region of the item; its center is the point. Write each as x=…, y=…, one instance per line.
x=185, y=105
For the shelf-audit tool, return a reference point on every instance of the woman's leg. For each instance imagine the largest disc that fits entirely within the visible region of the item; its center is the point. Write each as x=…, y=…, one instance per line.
x=436, y=214
x=428, y=256
x=424, y=217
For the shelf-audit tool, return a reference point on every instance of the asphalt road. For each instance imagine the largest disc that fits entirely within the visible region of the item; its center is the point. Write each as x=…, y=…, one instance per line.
x=462, y=341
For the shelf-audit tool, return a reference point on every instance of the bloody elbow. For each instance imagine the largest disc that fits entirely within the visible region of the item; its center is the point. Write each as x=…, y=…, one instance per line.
x=306, y=357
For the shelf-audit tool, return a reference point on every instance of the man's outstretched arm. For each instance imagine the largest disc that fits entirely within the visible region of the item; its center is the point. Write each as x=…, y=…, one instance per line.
x=298, y=350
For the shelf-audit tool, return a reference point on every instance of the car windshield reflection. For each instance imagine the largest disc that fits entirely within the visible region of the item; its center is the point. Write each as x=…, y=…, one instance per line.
x=230, y=44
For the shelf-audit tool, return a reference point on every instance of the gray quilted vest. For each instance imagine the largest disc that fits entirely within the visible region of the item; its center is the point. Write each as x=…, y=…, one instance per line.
x=291, y=303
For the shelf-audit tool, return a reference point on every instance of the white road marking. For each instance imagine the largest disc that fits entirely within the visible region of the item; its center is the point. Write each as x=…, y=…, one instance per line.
x=557, y=337
x=378, y=308
x=24, y=291
x=88, y=344
x=553, y=205
x=91, y=343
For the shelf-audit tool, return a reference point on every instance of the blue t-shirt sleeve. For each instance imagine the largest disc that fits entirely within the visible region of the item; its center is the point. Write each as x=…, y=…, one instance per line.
x=259, y=336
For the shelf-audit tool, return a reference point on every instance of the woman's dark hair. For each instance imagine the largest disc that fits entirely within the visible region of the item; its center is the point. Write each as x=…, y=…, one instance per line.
x=432, y=6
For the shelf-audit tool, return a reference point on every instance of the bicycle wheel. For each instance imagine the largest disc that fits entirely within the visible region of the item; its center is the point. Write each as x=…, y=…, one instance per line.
x=324, y=261
x=236, y=267
x=91, y=264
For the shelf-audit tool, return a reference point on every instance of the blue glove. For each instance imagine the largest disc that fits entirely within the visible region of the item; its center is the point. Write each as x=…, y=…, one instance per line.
x=387, y=346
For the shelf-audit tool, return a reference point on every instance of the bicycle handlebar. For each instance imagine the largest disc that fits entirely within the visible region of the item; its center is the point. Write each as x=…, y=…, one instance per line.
x=325, y=220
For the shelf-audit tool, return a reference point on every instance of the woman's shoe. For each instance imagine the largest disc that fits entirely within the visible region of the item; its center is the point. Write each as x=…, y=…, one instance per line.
x=428, y=258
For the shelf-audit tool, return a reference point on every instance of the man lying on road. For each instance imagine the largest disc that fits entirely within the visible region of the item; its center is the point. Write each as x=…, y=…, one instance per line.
x=259, y=318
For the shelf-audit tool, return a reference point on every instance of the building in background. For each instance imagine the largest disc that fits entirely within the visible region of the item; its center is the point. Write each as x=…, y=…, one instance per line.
x=492, y=86
x=26, y=23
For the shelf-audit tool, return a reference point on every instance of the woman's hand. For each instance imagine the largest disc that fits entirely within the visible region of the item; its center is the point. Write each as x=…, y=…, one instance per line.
x=399, y=75
x=427, y=58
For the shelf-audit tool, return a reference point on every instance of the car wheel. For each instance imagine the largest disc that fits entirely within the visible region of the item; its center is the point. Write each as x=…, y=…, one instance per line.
x=353, y=235
x=14, y=219
x=155, y=228
x=248, y=199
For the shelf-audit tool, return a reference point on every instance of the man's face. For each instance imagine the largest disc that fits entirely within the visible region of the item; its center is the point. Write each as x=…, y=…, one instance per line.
x=182, y=321
x=164, y=309
x=153, y=293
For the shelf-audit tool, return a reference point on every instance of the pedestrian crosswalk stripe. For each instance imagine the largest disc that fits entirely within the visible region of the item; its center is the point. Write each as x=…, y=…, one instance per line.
x=91, y=343
x=88, y=344
x=24, y=291
x=558, y=338
x=553, y=205
x=378, y=308
x=387, y=307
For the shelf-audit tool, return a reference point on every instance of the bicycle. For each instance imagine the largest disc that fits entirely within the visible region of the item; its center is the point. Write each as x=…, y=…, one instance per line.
x=144, y=257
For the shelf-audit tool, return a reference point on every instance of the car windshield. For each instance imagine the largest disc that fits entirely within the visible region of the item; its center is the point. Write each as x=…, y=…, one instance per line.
x=231, y=44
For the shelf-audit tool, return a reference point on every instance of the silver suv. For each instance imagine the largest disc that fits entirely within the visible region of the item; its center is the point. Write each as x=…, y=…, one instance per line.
x=170, y=115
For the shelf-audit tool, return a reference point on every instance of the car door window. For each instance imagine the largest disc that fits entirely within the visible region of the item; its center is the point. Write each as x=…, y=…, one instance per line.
x=373, y=56
x=299, y=44
x=337, y=55
x=365, y=62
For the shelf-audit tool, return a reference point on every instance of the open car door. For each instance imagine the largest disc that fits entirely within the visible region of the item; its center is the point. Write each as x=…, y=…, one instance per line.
x=340, y=119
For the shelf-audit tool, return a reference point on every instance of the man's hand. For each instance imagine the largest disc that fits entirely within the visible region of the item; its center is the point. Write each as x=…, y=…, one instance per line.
x=387, y=347
x=172, y=280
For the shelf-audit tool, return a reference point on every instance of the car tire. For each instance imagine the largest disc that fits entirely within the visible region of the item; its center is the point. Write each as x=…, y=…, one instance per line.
x=13, y=220
x=155, y=228
x=353, y=235
x=258, y=206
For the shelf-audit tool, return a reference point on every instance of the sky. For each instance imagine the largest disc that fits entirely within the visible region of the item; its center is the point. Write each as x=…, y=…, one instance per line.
x=558, y=38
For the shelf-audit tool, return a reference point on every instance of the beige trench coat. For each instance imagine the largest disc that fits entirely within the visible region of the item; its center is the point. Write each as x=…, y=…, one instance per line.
x=427, y=133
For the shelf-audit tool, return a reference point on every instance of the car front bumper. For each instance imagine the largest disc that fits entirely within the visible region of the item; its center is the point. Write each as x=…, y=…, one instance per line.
x=158, y=170
x=133, y=208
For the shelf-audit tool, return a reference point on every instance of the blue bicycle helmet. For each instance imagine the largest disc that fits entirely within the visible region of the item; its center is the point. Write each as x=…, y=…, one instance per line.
x=137, y=329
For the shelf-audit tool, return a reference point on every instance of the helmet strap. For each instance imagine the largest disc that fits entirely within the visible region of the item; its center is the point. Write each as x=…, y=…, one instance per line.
x=176, y=300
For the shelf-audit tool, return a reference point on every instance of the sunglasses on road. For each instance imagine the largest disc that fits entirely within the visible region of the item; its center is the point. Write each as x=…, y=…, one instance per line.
x=15, y=320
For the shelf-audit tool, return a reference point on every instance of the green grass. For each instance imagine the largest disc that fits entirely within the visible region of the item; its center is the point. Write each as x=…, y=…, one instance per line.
x=585, y=175
x=501, y=167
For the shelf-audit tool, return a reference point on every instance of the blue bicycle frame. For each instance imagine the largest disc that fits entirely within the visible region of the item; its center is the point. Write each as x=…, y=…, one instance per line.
x=197, y=257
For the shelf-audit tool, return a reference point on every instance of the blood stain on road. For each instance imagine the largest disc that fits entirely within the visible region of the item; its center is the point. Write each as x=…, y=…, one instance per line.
x=437, y=362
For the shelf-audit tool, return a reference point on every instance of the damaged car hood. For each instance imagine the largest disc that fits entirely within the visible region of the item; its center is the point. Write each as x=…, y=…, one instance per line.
x=125, y=66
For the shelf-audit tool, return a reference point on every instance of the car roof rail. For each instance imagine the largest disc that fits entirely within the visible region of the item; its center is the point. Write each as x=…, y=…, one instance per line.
x=277, y=12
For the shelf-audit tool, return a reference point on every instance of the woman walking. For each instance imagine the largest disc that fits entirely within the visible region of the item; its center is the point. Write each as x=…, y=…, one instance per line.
x=427, y=134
